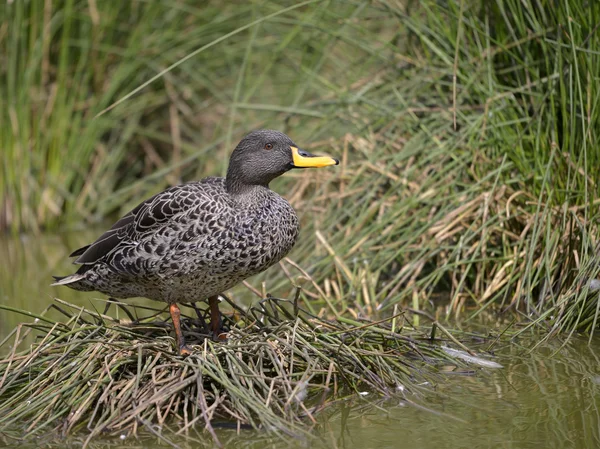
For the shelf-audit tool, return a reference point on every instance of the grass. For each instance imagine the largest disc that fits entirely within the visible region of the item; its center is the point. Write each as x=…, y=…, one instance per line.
x=94, y=374
x=471, y=183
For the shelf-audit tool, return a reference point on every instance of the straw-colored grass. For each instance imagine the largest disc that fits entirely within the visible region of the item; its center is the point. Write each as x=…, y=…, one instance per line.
x=280, y=366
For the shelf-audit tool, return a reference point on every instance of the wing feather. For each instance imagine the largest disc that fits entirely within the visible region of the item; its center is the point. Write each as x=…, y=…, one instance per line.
x=147, y=217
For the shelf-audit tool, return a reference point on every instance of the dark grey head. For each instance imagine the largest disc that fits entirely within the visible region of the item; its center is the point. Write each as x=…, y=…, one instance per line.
x=265, y=154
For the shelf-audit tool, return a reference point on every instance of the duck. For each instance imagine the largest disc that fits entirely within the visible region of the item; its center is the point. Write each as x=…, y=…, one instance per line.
x=192, y=242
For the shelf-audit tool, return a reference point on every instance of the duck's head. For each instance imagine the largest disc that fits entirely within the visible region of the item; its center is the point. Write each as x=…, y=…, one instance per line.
x=263, y=155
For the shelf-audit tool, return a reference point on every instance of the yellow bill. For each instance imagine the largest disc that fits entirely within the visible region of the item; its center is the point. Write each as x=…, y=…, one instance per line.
x=303, y=159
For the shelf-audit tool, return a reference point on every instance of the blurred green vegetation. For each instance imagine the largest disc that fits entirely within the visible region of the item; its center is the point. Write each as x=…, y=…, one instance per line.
x=65, y=61
x=468, y=133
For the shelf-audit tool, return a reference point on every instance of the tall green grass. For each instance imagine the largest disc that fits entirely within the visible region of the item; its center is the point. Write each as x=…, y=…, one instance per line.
x=468, y=133
x=472, y=186
x=64, y=62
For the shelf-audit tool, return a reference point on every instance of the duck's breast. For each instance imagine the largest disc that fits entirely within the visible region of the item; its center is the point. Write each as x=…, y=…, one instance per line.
x=234, y=244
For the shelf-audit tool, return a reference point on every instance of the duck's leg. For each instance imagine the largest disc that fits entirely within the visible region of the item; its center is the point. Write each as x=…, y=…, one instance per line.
x=215, y=317
x=176, y=317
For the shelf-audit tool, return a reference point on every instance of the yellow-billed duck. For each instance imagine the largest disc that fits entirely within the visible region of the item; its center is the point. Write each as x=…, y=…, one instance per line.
x=194, y=241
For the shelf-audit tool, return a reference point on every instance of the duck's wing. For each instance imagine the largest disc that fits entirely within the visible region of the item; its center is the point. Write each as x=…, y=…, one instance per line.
x=145, y=219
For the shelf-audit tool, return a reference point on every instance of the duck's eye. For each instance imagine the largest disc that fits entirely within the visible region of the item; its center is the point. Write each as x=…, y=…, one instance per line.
x=269, y=146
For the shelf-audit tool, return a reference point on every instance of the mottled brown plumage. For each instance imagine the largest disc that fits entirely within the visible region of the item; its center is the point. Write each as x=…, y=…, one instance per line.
x=196, y=240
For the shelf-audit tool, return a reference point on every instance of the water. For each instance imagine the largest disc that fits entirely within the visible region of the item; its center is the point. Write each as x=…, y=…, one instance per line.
x=549, y=398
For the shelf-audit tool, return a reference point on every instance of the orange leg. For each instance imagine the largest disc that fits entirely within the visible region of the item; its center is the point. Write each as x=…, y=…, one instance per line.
x=176, y=317
x=215, y=317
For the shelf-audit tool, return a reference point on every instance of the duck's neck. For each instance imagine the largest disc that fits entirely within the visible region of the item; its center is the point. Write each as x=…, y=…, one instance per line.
x=245, y=192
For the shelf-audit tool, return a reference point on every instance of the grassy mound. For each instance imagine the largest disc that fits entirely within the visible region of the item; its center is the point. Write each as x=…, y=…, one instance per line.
x=279, y=366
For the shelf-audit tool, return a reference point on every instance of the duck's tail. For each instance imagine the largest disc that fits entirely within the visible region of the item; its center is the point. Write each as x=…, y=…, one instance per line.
x=65, y=280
